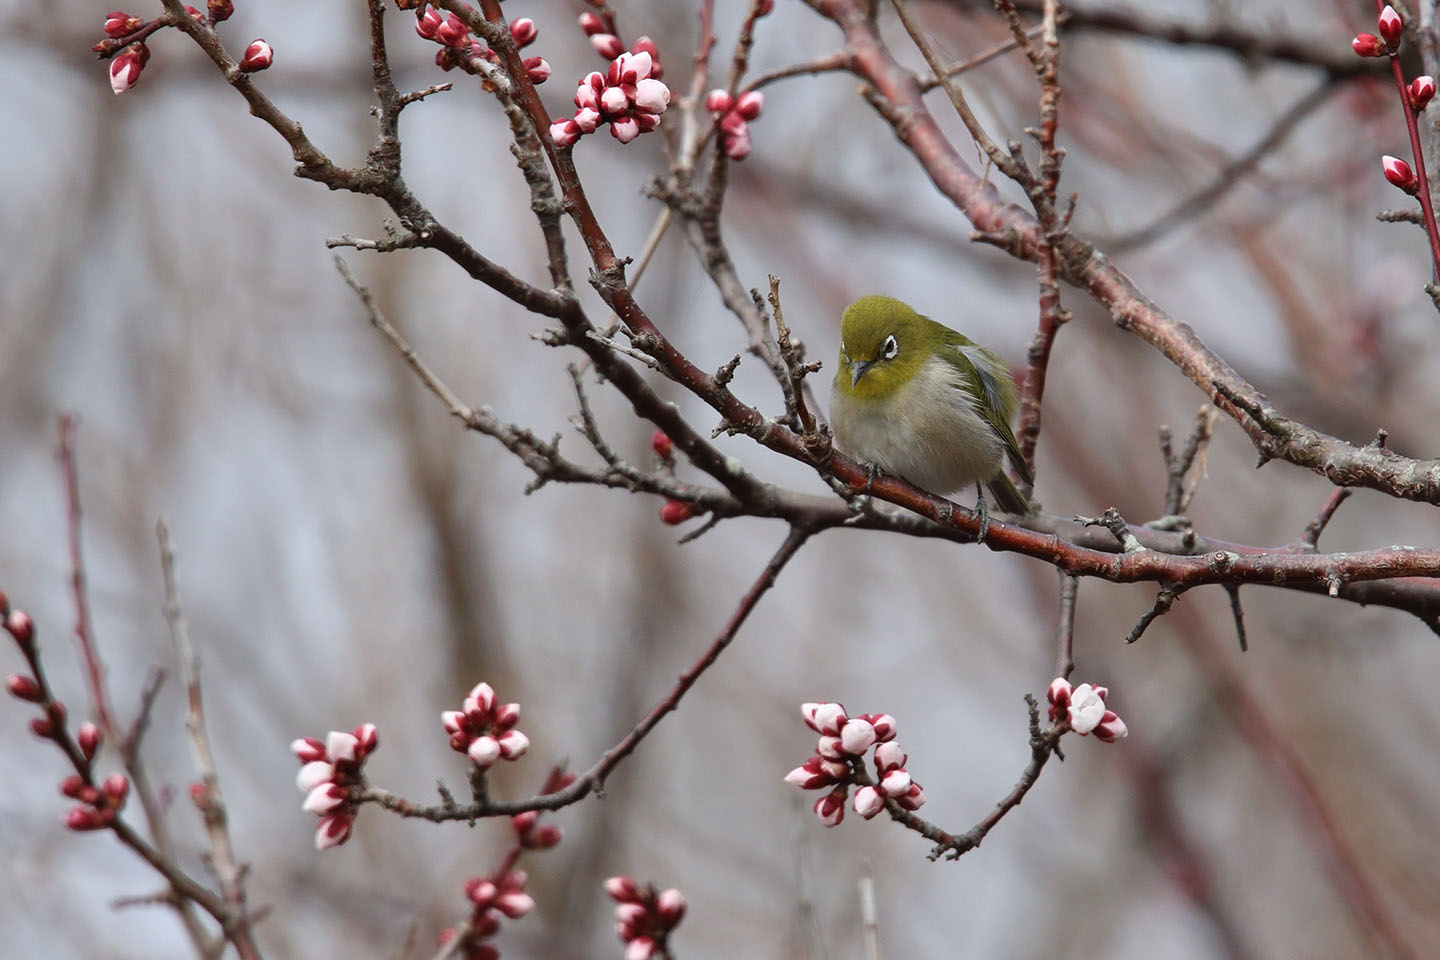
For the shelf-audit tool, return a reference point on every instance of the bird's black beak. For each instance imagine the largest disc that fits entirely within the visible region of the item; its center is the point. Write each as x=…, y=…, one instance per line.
x=857, y=370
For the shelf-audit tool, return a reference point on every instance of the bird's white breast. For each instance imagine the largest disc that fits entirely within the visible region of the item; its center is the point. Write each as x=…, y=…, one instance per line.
x=928, y=432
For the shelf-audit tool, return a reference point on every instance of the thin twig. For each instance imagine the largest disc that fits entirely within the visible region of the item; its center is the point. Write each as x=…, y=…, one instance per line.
x=1065, y=626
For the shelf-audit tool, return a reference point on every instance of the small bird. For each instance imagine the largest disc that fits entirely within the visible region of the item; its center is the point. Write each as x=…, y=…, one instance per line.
x=915, y=398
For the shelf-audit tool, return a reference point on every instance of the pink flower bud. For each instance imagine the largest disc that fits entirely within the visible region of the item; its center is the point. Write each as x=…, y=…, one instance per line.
x=737, y=145
x=483, y=751
x=333, y=831
x=367, y=737
x=607, y=45
x=71, y=786
x=587, y=119
x=324, y=799
x=116, y=787
x=1391, y=26
x=19, y=625
x=646, y=121
x=830, y=748
x=513, y=744
x=1369, y=45
x=652, y=96
x=750, y=104
x=544, y=838
x=868, y=802
x=313, y=774
x=258, y=56
x=591, y=23
x=514, y=903
x=1422, y=89
x=88, y=738
x=896, y=783
x=660, y=443
x=525, y=822
x=646, y=45
x=506, y=715
x=308, y=749
x=670, y=907
x=483, y=696
x=810, y=775
x=718, y=101
x=889, y=756
x=83, y=818
x=342, y=747
x=913, y=799
x=23, y=688
x=121, y=24
x=537, y=69
x=831, y=807
x=883, y=723
x=674, y=511
x=588, y=96
x=641, y=948
x=42, y=727
x=856, y=737
x=524, y=31
x=764, y=8
x=1398, y=172
x=1111, y=728
x=733, y=125
x=622, y=889
x=220, y=10
x=452, y=31
x=613, y=102
x=427, y=22
x=564, y=132
x=631, y=915
x=824, y=718
x=200, y=796
x=124, y=74
x=634, y=67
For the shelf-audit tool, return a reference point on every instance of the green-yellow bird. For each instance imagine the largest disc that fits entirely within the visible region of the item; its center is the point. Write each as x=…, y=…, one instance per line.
x=917, y=399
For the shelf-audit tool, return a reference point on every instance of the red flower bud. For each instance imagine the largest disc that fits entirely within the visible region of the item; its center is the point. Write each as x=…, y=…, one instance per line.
x=537, y=69
x=89, y=739
x=23, y=688
x=42, y=727
x=718, y=101
x=121, y=24
x=749, y=104
x=607, y=45
x=765, y=8
x=21, y=627
x=524, y=31
x=1369, y=45
x=1398, y=172
x=1421, y=90
x=71, y=786
x=676, y=512
x=258, y=56
x=660, y=443
x=83, y=818
x=1391, y=26
x=220, y=10
x=452, y=32
x=116, y=787
x=591, y=23
x=427, y=22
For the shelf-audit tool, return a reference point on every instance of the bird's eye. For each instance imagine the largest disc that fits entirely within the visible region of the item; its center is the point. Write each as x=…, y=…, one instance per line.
x=891, y=348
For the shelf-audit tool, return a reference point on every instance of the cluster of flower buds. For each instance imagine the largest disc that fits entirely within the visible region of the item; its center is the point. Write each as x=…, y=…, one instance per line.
x=484, y=730
x=492, y=897
x=644, y=918
x=1391, y=28
x=98, y=806
x=459, y=49
x=329, y=774
x=128, y=57
x=1083, y=709
x=843, y=742
x=732, y=119
x=630, y=97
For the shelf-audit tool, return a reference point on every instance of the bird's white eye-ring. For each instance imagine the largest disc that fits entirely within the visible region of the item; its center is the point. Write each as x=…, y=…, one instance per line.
x=845, y=358
x=891, y=348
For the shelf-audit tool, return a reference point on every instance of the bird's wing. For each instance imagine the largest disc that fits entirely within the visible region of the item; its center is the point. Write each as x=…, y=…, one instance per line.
x=981, y=366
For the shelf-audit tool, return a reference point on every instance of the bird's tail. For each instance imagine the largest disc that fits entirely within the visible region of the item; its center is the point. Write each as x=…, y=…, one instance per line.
x=1008, y=496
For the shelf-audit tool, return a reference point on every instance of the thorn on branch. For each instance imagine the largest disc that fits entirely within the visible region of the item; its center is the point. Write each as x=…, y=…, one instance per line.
x=1239, y=614
x=1167, y=596
x=1310, y=539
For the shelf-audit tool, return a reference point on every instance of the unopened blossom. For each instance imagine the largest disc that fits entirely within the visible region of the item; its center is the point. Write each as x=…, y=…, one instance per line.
x=1398, y=172
x=1391, y=27
x=121, y=24
x=894, y=783
x=643, y=917
x=675, y=512
x=329, y=773
x=99, y=807
x=258, y=56
x=485, y=730
x=220, y=10
x=1084, y=709
x=843, y=740
x=126, y=65
x=1369, y=45
x=630, y=97
x=524, y=32
x=732, y=119
x=1421, y=91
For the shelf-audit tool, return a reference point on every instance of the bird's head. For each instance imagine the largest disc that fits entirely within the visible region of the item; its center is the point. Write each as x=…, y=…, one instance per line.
x=883, y=344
